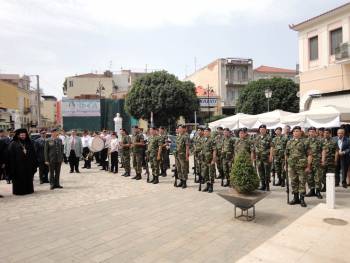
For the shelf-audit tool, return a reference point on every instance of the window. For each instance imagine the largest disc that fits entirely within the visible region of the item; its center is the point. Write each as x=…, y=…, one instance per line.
x=313, y=48
x=336, y=38
x=71, y=83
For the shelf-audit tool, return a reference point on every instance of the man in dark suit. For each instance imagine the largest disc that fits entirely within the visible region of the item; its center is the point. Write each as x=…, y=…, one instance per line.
x=53, y=155
x=344, y=158
x=39, y=150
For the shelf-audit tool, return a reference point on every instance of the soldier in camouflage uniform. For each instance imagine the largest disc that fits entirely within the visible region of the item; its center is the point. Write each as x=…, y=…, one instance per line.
x=164, y=162
x=154, y=149
x=279, y=146
x=218, y=138
x=182, y=155
x=320, y=133
x=227, y=153
x=197, y=148
x=314, y=179
x=208, y=160
x=243, y=142
x=125, y=144
x=263, y=156
x=137, y=149
x=330, y=157
x=299, y=159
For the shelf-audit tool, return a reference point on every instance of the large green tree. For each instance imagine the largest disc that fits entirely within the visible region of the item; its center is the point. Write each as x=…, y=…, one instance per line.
x=252, y=98
x=164, y=95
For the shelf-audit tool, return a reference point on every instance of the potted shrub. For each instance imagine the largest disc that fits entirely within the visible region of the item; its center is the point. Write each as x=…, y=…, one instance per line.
x=243, y=174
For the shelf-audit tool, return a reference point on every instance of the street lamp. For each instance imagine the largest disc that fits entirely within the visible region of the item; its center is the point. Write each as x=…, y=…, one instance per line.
x=268, y=95
x=99, y=90
x=208, y=91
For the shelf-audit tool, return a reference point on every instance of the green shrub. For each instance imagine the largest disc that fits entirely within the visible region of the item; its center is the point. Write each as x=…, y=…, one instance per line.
x=243, y=175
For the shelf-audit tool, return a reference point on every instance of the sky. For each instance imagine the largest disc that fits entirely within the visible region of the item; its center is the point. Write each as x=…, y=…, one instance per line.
x=56, y=39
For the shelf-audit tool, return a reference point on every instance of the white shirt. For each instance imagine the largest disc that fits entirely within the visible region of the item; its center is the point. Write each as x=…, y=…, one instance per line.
x=107, y=140
x=86, y=141
x=62, y=137
x=114, y=145
x=340, y=143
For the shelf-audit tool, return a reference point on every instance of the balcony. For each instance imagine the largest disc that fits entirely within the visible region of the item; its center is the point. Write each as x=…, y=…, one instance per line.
x=342, y=54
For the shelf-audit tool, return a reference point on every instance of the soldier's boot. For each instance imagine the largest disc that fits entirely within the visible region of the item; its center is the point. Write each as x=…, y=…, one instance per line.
x=267, y=186
x=311, y=193
x=302, y=201
x=324, y=189
x=283, y=182
x=180, y=184
x=318, y=194
x=295, y=199
x=227, y=183
x=134, y=177
x=153, y=178
x=156, y=180
x=184, y=184
x=206, y=189
x=211, y=188
x=127, y=174
x=164, y=174
x=138, y=177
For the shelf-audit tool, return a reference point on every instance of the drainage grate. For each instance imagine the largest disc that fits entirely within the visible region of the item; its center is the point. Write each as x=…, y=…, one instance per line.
x=335, y=221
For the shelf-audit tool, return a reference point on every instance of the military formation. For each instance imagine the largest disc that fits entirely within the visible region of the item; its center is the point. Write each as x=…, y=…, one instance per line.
x=301, y=159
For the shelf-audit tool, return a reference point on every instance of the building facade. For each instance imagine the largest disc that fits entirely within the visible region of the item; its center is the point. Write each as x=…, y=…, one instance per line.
x=8, y=104
x=324, y=59
x=48, y=111
x=266, y=72
x=225, y=77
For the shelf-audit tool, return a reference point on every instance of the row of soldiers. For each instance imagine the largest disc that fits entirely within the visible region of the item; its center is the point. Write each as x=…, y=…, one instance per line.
x=307, y=159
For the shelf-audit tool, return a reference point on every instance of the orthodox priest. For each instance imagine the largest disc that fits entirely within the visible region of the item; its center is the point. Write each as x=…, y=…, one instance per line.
x=22, y=163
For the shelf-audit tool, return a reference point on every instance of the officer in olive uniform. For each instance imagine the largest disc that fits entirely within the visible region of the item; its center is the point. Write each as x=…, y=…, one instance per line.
x=165, y=161
x=279, y=143
x=39, y=146
x=154, y=150
x=197, y=148
x=125, y=144
x=137, y=148
x=208, y=160
x=299, y=159
x=263, y=156
x=314, y=179
x=53, y=154
x=227, y=153
x=182, y=155
x=330, y=150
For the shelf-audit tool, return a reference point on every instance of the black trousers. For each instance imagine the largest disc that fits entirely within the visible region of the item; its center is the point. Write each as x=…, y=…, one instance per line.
x=103, y=162
x=114, y=162
x=43, y=172
x=343, y=165
x=98, y=157
x=87, y=161
x=55, y=170
x=73, y=161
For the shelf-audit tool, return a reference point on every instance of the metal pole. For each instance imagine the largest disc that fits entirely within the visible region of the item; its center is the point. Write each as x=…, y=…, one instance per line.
x=38, y=97
x=195, y=120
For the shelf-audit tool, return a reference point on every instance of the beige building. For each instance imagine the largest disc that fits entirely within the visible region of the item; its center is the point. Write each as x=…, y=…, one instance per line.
x=48, y=111
x=111, y=85
x=266, y=72
x=225, y=77
x=324, y=59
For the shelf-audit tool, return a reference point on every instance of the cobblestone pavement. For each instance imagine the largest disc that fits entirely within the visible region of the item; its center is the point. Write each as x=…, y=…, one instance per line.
x=104, y=217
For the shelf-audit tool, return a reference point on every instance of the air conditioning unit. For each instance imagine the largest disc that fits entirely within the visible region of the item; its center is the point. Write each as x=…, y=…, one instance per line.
x=342, y=52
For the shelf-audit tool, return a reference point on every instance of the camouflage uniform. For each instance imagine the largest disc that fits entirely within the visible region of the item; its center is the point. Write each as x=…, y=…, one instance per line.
x=242, y=145
x=297, y=157
x=315, y=176
x=152, y=152
x=262, y=145
x=182, y=140
x=227, y=152
x=208, y=148
x=279, y=144
x=197, y=142
x=164, y=155
x=219, y=158
x=125, y=158
x=137, y=153
x=330, y=147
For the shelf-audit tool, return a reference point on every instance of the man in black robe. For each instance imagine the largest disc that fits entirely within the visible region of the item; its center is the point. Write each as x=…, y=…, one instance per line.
x=22, y=163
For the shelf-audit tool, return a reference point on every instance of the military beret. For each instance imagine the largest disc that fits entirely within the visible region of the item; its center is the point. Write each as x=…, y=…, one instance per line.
x=321, y=129
x=278, y=128
x=226, y=129
x=311, y=128
x=200, y=128
x=219, y=128
x=262, y=126
x=328, y=130
x=242, y=129
x=207, y=129
x=296, y=128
